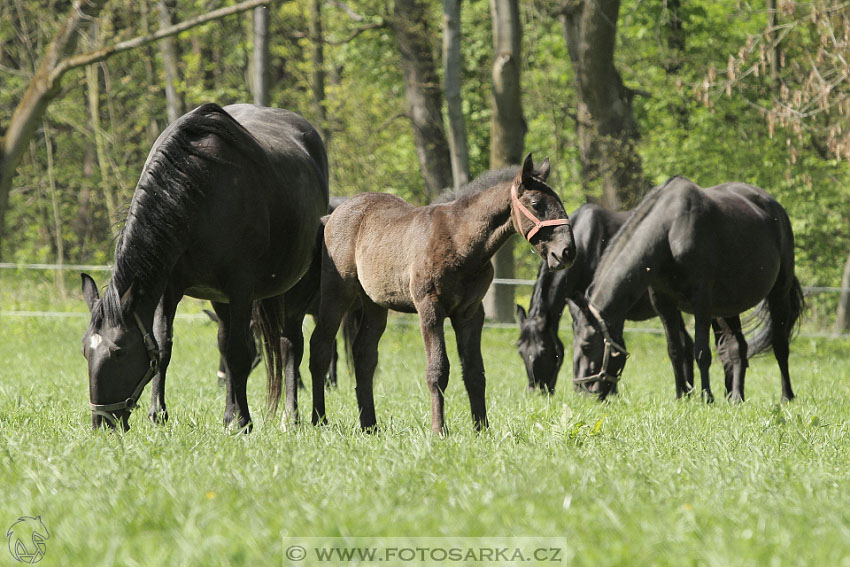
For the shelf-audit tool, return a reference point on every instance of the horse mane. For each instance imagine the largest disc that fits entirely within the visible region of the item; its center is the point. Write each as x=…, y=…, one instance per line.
x=626, y=232
x=170, y=190
x=484, y=181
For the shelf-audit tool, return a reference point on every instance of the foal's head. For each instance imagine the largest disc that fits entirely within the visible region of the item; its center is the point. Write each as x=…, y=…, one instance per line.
x=539, y=215
x=122, y=356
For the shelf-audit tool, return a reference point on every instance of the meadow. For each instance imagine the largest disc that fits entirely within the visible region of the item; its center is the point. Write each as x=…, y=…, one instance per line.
x=642, y=479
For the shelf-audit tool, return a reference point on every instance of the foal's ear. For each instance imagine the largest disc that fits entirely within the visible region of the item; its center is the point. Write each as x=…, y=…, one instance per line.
x=527, y=168
x=90, y=293
x=543, y=170
x=520, y=314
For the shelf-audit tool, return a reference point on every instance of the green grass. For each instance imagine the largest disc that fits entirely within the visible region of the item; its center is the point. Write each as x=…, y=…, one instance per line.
x=640, y=480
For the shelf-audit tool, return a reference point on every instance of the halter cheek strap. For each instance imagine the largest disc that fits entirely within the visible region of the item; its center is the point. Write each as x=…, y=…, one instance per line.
x=104, y=410
x=538, y=224
x=610, y=346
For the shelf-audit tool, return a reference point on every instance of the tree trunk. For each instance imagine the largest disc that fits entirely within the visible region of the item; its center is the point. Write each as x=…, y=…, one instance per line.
x=317, y=75
x=507, y=136
x=423, y=95
x=261, y=56
x=842, y=319
x=458, y=150
x=168, y=50
x=607, y=130
x=58, y=60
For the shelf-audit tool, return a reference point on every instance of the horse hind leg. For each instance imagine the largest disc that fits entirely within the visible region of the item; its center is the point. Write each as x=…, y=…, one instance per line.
x=337, y=295
x=365, y=354
x=431, y=319
x=732, y=349
x=785, y=306
x=233, y=337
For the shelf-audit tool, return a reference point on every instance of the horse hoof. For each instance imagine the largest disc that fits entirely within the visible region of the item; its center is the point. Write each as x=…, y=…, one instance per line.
x=158, y=417
x=316, y=420
x=707, y=396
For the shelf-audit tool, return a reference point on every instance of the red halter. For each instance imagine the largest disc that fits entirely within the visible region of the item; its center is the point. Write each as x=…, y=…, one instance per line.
x=538, y=224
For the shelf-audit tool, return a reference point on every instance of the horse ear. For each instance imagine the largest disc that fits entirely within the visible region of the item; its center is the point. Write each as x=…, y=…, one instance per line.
x=527, y=168
x=520, y=314
x=543, y=170
x=90, y=293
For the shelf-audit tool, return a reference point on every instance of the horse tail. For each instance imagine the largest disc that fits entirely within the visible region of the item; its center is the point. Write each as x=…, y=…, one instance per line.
x=350, y=327
x=765, y=326
x=267, y=316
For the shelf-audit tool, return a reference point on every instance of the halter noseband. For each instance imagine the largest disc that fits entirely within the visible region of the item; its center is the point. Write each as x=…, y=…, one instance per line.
x=610, y=345
x=152, y=350
x=538, y=224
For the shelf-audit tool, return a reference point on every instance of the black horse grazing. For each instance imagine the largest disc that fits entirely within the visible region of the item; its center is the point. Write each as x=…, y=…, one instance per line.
x=713, y=252
x=539, y=345
x=227, y=208
x=301, y=299
x=434, y=261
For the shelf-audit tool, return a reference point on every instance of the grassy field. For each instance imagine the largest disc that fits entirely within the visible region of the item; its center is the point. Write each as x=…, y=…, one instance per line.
x=640, y=480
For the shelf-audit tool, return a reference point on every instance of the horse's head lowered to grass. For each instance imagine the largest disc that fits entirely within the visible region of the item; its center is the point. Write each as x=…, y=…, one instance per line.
x=121, y=352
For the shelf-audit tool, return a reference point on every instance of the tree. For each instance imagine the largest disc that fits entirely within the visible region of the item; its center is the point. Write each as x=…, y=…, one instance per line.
x=261, y=56
x=425, y=101
x=452, y=82
x=605, y=123
x=507, y=135
x=168, y=48
x=57, y=61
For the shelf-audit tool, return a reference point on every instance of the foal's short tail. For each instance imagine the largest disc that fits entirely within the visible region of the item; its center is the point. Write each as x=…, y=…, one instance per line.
x=764, y=325
x=267, y=316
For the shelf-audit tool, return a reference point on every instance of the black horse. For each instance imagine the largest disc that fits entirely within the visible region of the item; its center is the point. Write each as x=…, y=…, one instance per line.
x=227, y=208
x=302, y=299
x=713, y=252
x=539, y=345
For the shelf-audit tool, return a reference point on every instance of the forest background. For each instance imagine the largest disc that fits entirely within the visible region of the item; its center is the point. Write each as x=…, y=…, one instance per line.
x=414, y=96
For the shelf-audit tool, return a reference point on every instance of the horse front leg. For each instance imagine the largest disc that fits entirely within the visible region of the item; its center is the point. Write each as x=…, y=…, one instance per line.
x=677, y=342
x=163, y=330
x=468, y=334
x=437, y=362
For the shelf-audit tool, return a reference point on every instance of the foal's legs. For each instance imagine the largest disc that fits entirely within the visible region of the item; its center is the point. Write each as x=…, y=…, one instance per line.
x=163, y=330
x=678, y=342
x=431, y=319
x=337, y=296
x=365, y=351
x=233, y=343
x=732, y=349
x=468, y=333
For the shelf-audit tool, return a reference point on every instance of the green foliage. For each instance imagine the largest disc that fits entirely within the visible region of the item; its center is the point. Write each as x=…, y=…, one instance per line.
x=370, y=140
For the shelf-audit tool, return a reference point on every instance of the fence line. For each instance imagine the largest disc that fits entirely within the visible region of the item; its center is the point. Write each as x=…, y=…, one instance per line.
x=496, y=281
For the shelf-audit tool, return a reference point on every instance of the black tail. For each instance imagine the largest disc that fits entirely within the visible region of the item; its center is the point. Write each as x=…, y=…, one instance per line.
x=763, y=324
x=350, y=327
x=267, y=317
